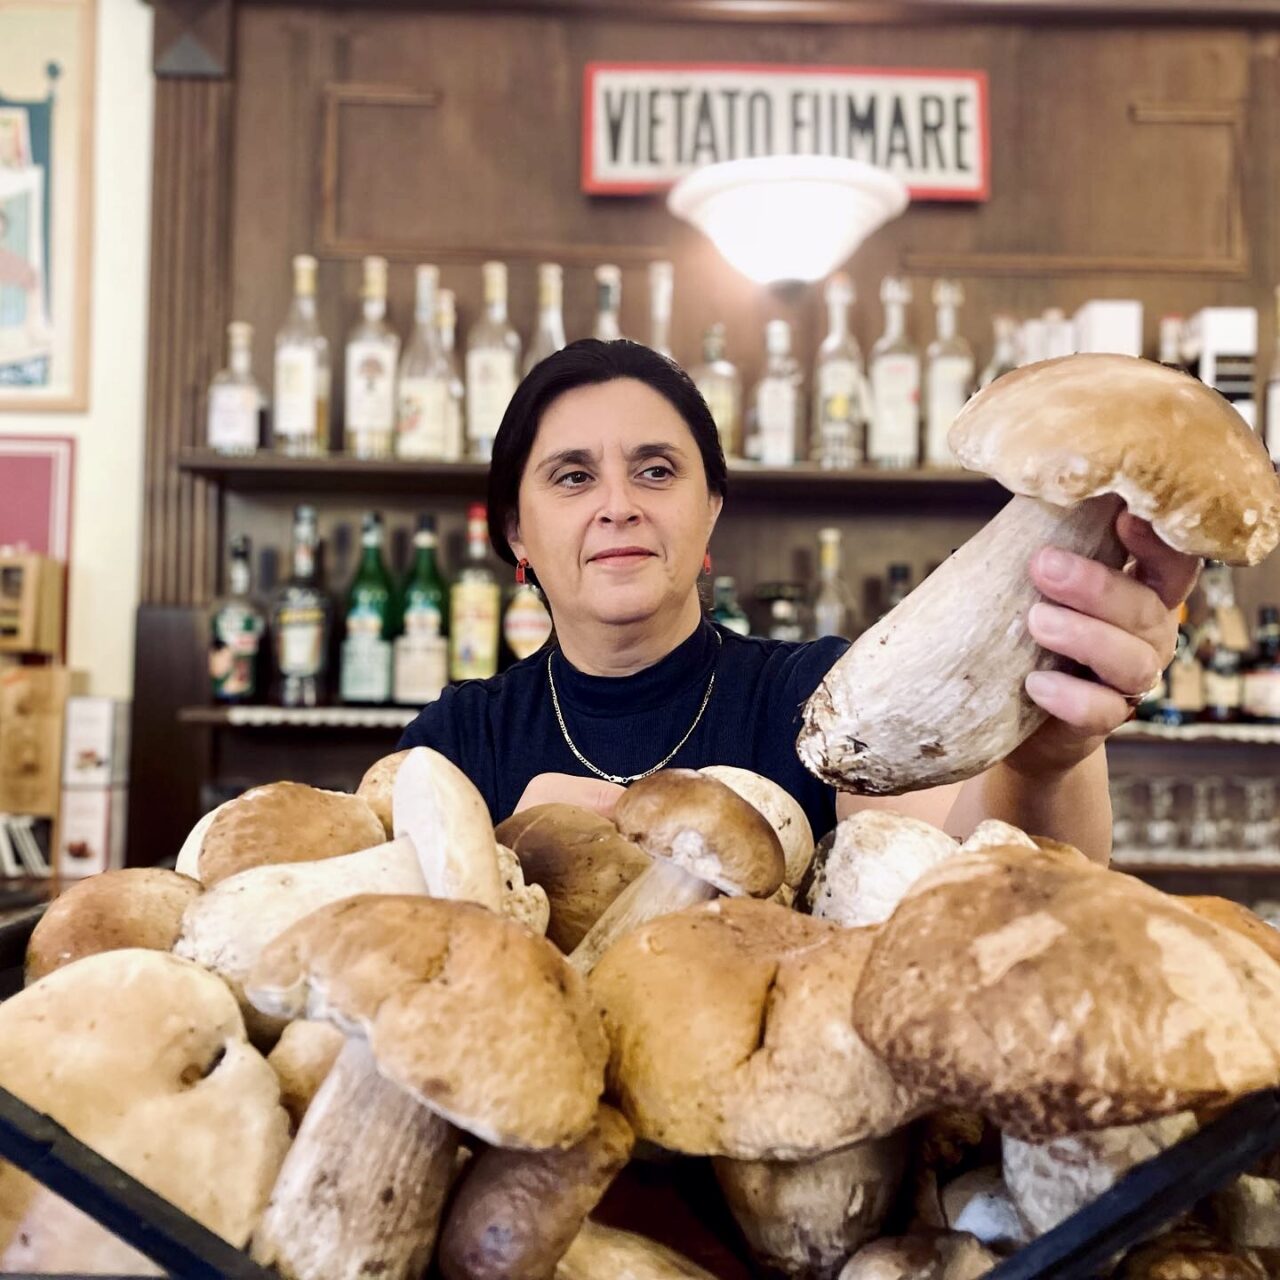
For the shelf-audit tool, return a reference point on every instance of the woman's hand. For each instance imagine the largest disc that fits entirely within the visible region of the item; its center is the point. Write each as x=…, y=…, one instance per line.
x=1122, y=625
x=567, y=788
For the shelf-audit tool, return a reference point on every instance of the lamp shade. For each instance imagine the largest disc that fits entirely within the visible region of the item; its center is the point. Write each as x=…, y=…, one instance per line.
x=788, y=217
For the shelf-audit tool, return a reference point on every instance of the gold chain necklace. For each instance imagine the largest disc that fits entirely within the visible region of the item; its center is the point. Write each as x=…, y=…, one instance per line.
x=635, y=777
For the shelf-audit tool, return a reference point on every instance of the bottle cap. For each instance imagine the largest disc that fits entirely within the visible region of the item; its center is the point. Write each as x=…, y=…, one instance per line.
x=426, y=523
x=375, y=277
x=495, y=281
x=840, y=289
x=947, y=293
x=777, y=338
x=240, y=333
x=304, y=275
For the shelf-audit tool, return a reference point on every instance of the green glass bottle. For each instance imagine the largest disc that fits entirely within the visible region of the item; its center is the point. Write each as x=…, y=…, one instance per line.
x=426, y=594
x=726, y=609
x=372, y=619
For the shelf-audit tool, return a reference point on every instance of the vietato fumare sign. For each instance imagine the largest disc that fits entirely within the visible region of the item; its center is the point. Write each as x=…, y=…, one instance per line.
x=645, y=125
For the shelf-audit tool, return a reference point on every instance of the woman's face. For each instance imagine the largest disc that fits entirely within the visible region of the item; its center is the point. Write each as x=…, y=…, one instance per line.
x=614, y=513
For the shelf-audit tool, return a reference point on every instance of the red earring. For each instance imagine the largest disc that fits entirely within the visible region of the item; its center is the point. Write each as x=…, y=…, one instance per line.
x=520, y=568
x=706, y=564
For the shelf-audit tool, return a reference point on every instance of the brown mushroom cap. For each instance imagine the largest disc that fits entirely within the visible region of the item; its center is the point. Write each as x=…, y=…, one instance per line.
x=705, y=828
x=1057, y=997
x=377, y=785
x=730, y=1034
x=1178, y=454
x=474, y=1015
x=923, y=1255
x=783, y=811
x=132, y=907
x=285, y=822
x=1189, y=1254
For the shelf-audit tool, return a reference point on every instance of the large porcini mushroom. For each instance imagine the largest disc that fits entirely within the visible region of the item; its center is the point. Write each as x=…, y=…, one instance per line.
x=517, y=1212
x=1233, y=915
x=936, y=1255
x=934, y=692
x=376, y=788
x=143, y=1057
x=704, y=839
x=133, y=907
x=578, y=857
x=455, y=1018
x=604, y=1253
x=1055, y=996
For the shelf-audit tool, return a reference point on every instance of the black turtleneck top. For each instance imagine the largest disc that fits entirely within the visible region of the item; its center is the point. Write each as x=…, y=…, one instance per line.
x=503, y=731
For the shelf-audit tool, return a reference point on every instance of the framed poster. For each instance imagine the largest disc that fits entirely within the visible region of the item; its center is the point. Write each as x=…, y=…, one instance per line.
x=46, y=191
x=37, y=478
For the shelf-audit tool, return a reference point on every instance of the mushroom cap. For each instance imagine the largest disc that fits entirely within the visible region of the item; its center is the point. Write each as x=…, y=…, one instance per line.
x=923, y=1255
x=132, y=907
x=481, y=1020
x=143, y=1057
x=705, y=828
x=1177, y=453
x=301, y=1059
x=1232, y=915
x=527, y=904
x=730, y=1034
x=1056, y=997
x=377, y=785
x=979, y=1204
x=285, y=822
x=1189, y=1254
x=578, y=857
x=784, y=813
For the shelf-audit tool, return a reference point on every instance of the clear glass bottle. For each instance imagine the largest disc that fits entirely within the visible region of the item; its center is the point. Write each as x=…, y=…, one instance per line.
x=893, y=439
x=447, y=323
x=948, y=375
x=839, y=386
x=423, y=422
x=237, y=625
x=1271, y=426
x=1222, y=641
x=474, y=606
x=235, y=399
x=832, y=607
x=608, y=303
x=1004, y=349
x=493, y=361
x=302, y=621
x=1184, y=690
x=373, y=351
x=662, y=278
x=300, y=417
x=777, y=399
x=725, y=608
x=1170, y=346
x=548, y=338
x=422, y=652
x=372, y=622
x=897, y=585
x=720, y=383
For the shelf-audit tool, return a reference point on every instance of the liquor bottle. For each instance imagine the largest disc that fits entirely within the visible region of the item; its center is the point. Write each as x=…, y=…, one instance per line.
x=1170, y=351
x=447, y=324
x=301, y=622
x=893, y=439
x=1183, y=693
x=493, y=359
x=423, y=421
x=548, y=338
x=839, y=386
x=1272, y=424
x=237, y=626
x=784, y=606
x=608, y=303
x=661, y=289
x=948, y=375
x=473, y=608
x=725, y=608
x=373, y=351
x=372, y=621
x=897, y=585
x=1262, y=678
x=777, y=399
x=421, y=663
x=300, y=418
x=720, y=383
x=526, y=622
x=832, y=609
x=1221, y=643
x=235, y=399
x=1004, y=350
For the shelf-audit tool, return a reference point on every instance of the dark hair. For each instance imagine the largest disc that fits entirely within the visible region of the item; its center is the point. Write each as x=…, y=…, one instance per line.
x=582, y=364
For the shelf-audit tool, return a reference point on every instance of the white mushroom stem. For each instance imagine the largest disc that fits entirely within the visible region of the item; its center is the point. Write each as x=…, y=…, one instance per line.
x=603, y=1253
x=657, y=891
x=363, y=1186
x=933, y=693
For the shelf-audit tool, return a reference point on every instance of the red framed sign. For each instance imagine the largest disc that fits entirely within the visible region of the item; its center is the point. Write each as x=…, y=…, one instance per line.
x=646, y=124
x=36, y=483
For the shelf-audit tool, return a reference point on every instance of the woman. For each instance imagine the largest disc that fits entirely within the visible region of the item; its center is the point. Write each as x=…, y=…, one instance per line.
x=607, y=480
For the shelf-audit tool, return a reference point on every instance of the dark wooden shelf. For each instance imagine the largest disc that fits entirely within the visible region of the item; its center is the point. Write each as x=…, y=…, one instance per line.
x=268, y=718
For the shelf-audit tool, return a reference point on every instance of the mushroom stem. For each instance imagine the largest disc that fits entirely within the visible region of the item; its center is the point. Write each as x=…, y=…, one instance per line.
x=661, y=889
x=363, y=1185
x=605, y=1253
x=933, y=693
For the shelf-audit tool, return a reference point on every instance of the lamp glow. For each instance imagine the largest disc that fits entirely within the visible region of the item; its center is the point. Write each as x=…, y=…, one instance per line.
x=779, y=218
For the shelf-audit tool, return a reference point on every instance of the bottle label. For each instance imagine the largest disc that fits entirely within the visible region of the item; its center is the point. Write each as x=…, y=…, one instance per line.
x=829, y=618
x=300, y=642
x=491, y=382
x=422, y=618
x=473, y=630
x=237, y=637
x=1186, y=686
x=421, y=669
x=1272, y=424
x=1262, y=694
x=895, y=420
x=950, y=382
x=423, y=429
x=365, y=620
x=366, y=667
x=1222, y=689
x=233, y=418
x=370, y=386
x=297, y=392
x=527, y=624
x=776, y=407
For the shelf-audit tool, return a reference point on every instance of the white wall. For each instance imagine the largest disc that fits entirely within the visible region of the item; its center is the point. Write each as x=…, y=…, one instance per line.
x=107, y=522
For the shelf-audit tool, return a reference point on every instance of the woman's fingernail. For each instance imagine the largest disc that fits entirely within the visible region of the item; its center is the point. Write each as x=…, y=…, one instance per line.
x=1055, y=565
x=1039, y=684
